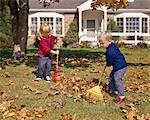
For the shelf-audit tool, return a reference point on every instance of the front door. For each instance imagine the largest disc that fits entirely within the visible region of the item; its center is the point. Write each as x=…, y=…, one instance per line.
x=91, y=27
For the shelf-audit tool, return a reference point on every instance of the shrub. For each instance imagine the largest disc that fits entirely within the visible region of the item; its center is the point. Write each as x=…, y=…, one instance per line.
x=85, y=44
x=112, y=26
x=74, y=45
x=5, y=42
x=5, y=21
x=36, y=43
x=72, y=34
x=142, y=45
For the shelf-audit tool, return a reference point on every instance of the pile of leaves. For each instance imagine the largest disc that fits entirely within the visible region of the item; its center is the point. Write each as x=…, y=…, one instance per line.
x=73, y=87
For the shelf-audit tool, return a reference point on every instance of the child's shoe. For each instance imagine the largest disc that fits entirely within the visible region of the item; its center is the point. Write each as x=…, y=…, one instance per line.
x=38, y=79
x=120, y=100
x=48, y=78
x=116, y=92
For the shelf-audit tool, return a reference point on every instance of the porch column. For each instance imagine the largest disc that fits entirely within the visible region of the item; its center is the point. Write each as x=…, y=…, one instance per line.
x=80, y=25
x=105, y=18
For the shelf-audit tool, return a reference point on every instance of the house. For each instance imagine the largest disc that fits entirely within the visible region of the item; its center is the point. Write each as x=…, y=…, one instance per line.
x=133, y=21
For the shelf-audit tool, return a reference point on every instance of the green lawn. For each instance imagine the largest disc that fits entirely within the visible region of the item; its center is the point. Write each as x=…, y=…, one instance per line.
x=34, y=100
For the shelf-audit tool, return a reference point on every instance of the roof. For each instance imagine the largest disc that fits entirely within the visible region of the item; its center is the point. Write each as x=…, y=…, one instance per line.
x=71, y=5
x=139, y=4
x=63, y=4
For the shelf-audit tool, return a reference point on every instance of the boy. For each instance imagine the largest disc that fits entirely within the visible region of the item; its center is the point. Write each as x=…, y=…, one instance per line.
x=115, y=59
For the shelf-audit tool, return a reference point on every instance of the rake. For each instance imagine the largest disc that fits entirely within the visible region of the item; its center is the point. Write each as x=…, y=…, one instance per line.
x=95, y=93
x=56, y=75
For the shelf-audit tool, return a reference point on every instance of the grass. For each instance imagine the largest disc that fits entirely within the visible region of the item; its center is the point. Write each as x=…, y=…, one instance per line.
x=137, y=85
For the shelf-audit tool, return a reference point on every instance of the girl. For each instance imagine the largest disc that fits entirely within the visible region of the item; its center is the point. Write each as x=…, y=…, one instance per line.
x=45, y=49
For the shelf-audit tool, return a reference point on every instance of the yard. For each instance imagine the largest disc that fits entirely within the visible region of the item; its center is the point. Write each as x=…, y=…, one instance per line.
x=22, y=98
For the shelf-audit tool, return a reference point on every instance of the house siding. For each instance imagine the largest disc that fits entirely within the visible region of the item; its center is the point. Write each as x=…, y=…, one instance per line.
x=68, y=19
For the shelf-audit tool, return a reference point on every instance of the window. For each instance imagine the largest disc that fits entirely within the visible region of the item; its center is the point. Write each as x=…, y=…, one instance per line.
x=47, y=20
x=54, y=20
x=132, y=24
x=120, y=24
x=144, y=25
x=33, y=25
x=59, y=26
x=91, y=26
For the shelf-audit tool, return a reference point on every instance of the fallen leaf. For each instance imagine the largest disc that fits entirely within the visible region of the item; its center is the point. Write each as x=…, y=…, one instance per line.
x=130, y=115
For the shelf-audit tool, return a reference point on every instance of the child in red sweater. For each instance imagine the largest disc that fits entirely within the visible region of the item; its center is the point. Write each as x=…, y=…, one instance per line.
x=45, y=49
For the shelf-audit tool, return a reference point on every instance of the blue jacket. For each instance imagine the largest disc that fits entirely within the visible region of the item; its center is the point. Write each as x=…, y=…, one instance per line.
x=115, y=58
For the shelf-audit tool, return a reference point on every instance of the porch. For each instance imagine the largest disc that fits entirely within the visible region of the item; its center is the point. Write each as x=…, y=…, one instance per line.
x=91, y=22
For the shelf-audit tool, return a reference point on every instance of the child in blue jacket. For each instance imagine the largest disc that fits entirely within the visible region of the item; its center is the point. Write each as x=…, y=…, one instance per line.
x=115, y=59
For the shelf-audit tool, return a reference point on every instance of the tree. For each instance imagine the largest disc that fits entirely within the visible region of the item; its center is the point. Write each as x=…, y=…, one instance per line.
x=19, y=14
x=113, y=4
x=19, y=21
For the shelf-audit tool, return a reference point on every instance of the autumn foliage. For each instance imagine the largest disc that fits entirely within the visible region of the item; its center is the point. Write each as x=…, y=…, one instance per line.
x=113, y=4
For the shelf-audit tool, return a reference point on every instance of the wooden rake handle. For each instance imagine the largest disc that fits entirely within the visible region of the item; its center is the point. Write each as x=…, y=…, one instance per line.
x=100, y=79
x=57, y=58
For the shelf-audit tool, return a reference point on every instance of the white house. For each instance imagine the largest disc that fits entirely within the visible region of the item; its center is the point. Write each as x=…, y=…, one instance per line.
x=131, y=21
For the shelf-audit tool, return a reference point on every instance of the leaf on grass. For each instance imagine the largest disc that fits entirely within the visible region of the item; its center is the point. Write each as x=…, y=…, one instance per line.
x=66, y=117
x=124, y=109
x=59, y=103
x=5, y=105
x=8, y=114
x=131, y=115
x=2, y=94
x=77, y=97
x=40, y=112
x=10, y=83
x=94, y=71
x=30, y=88
x=5, y=74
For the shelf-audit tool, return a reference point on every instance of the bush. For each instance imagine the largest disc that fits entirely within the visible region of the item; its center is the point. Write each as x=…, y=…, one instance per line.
x=5, y=21
x=72, y=34
x=142, y=45
x=74, y=45
x=112, y=26
x=36, y=43
x=5, y=42
x=85, y=44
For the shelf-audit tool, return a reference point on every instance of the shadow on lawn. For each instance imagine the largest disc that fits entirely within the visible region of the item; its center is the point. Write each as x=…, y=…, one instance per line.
x=74, y=65
x=65, y=53
x=75, y=54
x=139, y=64
x=81, y=53
x=78, y=55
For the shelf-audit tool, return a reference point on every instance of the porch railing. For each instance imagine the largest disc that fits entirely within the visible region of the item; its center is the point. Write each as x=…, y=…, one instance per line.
x=135, y=41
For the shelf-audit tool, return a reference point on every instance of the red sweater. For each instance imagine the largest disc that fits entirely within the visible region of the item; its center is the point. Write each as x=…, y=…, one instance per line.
x=46, y=45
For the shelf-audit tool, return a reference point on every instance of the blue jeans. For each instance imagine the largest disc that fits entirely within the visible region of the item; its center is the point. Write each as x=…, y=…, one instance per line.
x=116, y=82
x=44, y=66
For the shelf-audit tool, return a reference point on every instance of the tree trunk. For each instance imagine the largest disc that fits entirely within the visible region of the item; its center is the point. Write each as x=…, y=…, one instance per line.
x=23, y=24
x=14, y=21
x=19, y=14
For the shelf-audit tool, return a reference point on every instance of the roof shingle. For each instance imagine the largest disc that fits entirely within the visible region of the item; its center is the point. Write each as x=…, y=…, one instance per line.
x=72, y=4
x=63, y=4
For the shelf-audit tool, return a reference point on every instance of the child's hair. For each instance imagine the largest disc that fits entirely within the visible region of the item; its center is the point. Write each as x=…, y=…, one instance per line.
x=45, y=30
x=105, y=36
